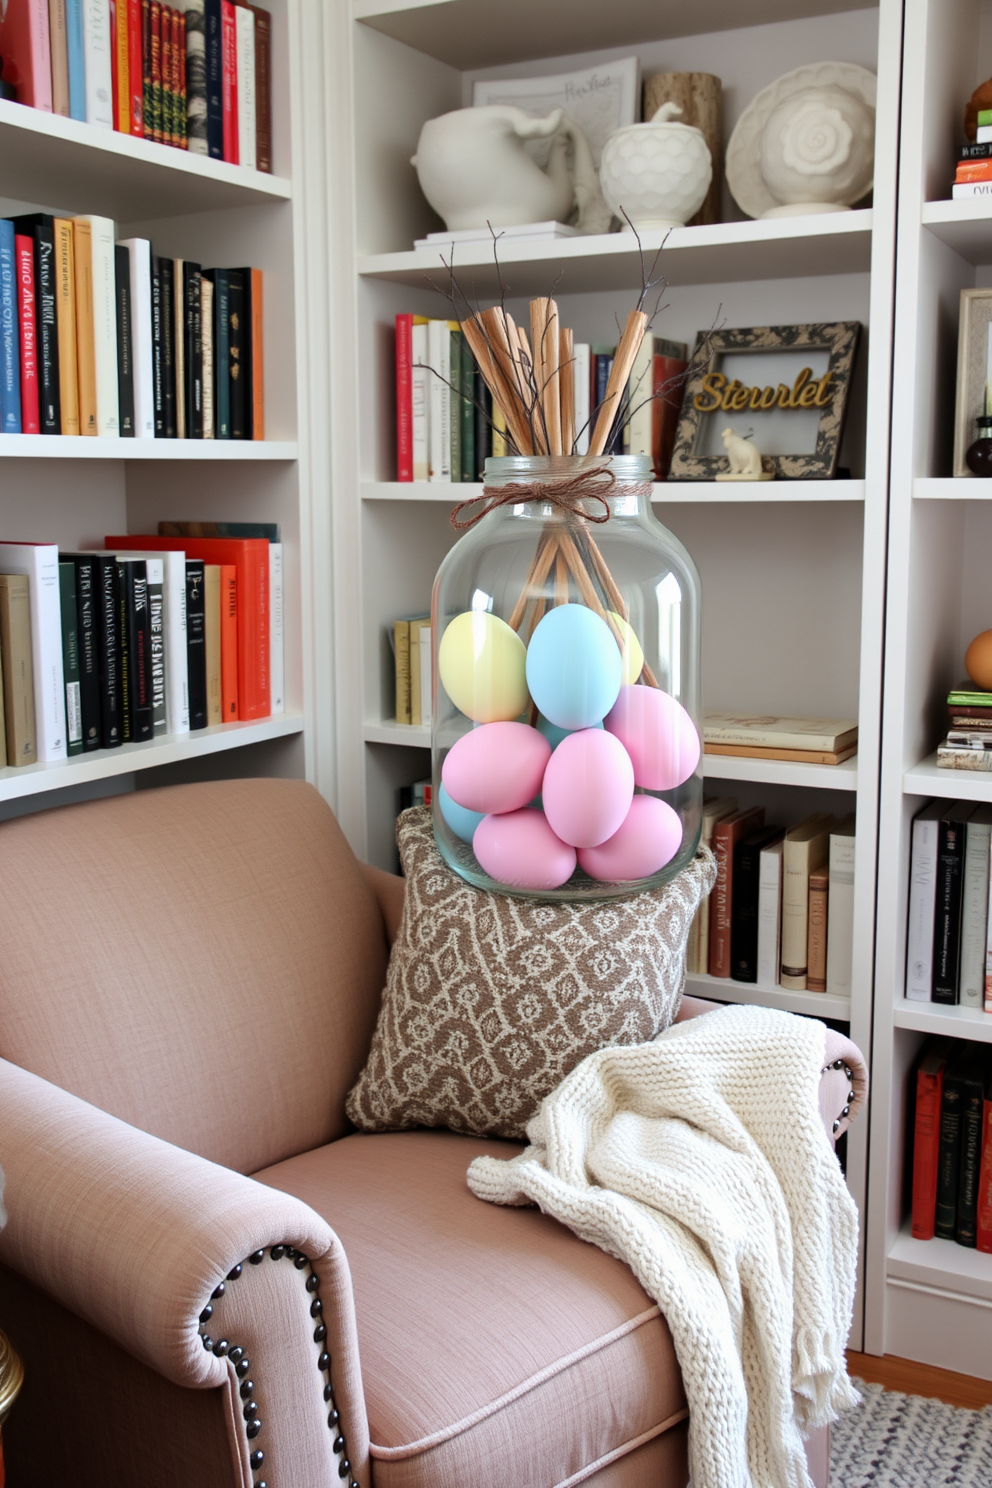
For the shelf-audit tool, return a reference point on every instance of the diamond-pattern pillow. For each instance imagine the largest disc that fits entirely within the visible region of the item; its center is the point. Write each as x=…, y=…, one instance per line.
x=490, y=1000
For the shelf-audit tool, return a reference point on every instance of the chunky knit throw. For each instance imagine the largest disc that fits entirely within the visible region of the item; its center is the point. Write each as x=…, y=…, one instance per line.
x=700, y=1160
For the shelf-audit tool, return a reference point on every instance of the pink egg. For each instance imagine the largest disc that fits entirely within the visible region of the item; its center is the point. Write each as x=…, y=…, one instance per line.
x=588, y=787
x=657, y=733
x=496, y=767
x=520, y=850
x=649, y=838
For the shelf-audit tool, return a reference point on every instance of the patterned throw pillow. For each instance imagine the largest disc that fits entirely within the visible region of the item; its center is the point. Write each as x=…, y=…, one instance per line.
x=490, y=1001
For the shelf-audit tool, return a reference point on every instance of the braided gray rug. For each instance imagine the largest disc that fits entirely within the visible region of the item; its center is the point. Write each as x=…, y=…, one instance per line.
x=905, y=1441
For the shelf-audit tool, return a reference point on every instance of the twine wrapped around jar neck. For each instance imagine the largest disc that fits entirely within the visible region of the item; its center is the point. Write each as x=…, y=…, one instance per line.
x=592, y=484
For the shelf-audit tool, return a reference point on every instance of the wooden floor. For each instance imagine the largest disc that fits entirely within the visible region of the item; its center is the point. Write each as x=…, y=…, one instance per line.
x=920, y=1379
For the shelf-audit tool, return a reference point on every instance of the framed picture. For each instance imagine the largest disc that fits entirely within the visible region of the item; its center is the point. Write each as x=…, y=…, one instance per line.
x=974, y=394
x=599, y=100
x=781, y=389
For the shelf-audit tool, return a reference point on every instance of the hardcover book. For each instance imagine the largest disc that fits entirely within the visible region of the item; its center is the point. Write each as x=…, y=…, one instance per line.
x=196, y=642
x=746, y=894
x=140, y=300
x=24, y=46
x=770, y=913
x=975, y=908
x=715, y=808
x=211, y=632
x=154, y=575
x=949, y=1148
x=922, y=902
x=819, y=908
x=972, y=1095
x=947, y=906
x=136, y=658
x=82, y=250
x=70, y=658
x=65, y=311
x=984, y=1208
x=39, y=562
x=765, y=731
x=89, y=650
x=726, y=834
x=10, y=350
x=926, y=1137
x=19, y=707
x=840, y=921
x=806, y=849
x=28, y=326
x=125, y=342
x=40, y=228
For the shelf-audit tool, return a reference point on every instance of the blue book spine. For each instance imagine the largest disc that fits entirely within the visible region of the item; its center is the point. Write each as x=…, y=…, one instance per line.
x=215, y=79
x=77, y=74
x=10, y=343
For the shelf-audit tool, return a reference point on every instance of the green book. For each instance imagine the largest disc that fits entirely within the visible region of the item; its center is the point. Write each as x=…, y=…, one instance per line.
x=963, y=696
x=455, y=395
x=70, y=658
x=467, y=413
x=984, y=118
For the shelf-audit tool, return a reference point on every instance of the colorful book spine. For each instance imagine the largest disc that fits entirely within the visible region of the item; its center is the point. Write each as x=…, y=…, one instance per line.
x=263, y=88
x=726, y=834
x=816, y=960
x=277, y=643
x=229, y=82
x=420, y=376
x=207, y=353
x=156, y=105
x=926, y=1142
x=40, y=228
x=25, y=48
x=82, y=248
x=135, y=67
x=98, y=64
x=58, y=47
x=404, y=397
x=65, y=307
x=27, y=304
x=122, y=68
x=10, y=351
x=211, y=631
x=76, y=58
x=229, y=642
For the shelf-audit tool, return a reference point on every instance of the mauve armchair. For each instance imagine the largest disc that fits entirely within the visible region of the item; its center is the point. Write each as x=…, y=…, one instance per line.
x=210, y=1281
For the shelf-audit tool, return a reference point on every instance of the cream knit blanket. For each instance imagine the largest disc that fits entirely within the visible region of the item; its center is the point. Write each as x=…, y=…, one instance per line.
x=701, y=1161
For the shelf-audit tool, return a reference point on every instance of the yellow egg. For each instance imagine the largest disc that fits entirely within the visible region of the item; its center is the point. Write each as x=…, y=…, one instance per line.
x=630, y=651
x=978, y=661
x=482, y=663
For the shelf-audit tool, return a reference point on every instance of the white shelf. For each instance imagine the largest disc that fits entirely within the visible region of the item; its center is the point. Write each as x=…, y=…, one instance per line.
x=965, y=226
x=952, y=487
x=665, y=492
x=726, y=252
x=937, y=1018
x=725, y=989
x=71, y=447
x=391, y=732
x=956, y=785
x=78, y=167
x=103, y=764
x=782, y=772
x=941, y=1264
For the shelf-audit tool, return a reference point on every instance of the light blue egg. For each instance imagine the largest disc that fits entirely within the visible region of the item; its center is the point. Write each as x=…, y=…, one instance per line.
x=574, y=667
x=461, y=821
x=553, y=733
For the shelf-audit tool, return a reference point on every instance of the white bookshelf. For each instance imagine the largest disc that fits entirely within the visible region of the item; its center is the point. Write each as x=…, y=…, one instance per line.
x=665, y=492
x=926, y=1300
x=69, y=447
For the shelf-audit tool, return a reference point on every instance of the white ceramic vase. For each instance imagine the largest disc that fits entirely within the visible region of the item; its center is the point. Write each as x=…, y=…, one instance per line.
x=656, y=174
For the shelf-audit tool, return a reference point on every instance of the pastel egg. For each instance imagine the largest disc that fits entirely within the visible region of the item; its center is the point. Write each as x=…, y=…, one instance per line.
x=658, y=734
x=648, y=838
x=461, y=821
x=482, y=663
x=553, y=733
x=520, y=850
x=631, y=653
x=498, y=767
x=588, y=787
x=574, y=668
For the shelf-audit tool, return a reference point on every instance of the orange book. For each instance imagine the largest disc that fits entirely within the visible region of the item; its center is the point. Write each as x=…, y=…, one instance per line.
x=973, y=170
x=65, y=319
x=85, y=351
x=257, y=359
x=122, y=68
x=229, y=642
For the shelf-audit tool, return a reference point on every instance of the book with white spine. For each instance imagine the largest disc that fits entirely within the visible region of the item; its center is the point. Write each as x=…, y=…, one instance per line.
x=439, y=399
x=104, y=291
x=580, y=354
x=277, y=657
x=245, y=47
x=40, y=562
x=770, y=913
x=420, y=376
x=974, y=908
x=806, y=849
x=922, y=902
x=140, y=255
x=98, y=63
x=840, y=922
x=174, y=622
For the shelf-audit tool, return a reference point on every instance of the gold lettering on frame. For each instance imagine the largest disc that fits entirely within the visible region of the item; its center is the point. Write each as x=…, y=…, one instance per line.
x=806, y=392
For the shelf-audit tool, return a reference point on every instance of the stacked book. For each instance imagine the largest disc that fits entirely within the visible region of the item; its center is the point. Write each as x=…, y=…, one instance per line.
x=951, y=1134
x=196, y=75
x=973, y=176
x=446, y=426
x=948, y=950
x=105, y=338
x=154, y=635
x=811, y=741
x=782, y=910
x=411, y=642
x=968, y=745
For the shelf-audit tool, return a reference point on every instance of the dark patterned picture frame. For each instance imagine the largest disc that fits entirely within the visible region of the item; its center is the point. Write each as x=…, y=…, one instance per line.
x=839, y=338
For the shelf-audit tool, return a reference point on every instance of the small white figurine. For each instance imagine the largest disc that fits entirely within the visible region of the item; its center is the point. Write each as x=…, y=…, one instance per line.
x=744, y=457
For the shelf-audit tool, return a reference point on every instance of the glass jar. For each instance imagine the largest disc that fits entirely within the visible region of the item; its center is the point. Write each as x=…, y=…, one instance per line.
x=565, y=623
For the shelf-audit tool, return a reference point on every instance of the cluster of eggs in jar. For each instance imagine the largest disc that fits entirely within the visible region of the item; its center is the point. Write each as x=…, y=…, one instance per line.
x=535, y=802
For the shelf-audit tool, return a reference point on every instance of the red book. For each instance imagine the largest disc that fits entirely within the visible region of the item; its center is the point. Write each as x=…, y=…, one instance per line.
x=179, y=62
x=984, y=1241
x=250, y=557
x=668, y=389
x=404, y=398
x=117, y=34
x=156, y=71
x=30, y=404
x=135, y=65
x=926, y=1140
x=229, y=81
x=229, y=642
x=24, y=47
x=726, y=835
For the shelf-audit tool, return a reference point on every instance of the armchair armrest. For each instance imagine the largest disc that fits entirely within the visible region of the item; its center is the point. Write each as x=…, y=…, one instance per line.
x=135, y=1236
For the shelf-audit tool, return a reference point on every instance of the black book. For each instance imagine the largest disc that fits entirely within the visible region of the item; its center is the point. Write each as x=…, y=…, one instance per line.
x=237, y=351
x=975, y=152
x=158, y=350
x=949, y=1150
x=125, y=345
x=193, y=351
x=972, y=1096
x=483, y=424
x=41, y=228
x=222, y=352
x=108, y=635
x=196, y=643
x=947, y=907
x=167, y=329
x=89, y=648
x=215, y=79
x=744, y=912
x=136, y=652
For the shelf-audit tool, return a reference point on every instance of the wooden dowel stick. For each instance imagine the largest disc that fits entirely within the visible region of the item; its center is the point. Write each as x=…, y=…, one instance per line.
x=630, y=343
x=547, y=549
x=566, y=378
x=561, y=579
x=495, y=336
x=544, y=334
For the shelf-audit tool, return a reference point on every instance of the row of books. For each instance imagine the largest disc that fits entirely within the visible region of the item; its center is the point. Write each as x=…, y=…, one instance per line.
x=196, y=75
x=968, y=745
x=157, y=634
x=948, y=945
x=420, y=793
x=110, y=339
x=411, y=643
x=446, y=426
x=782, y=910
x=973, y=176
x=810, y=741
x=951, y=1126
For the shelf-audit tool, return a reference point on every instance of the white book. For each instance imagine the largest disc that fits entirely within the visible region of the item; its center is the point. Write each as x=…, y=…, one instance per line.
x=963, y=189
x=840, y=920
x=419, y=378
x=155, y=584
x=806, y=848
x=974, y=908
x=174, y=620
x=770, y=913
x=277, y=656
x=97, y=63
x=640, y=408
x=140, y=254
x=104, y=290
x=425, y=674
x=40, y=561
x=580, y=352
x=922, y=900
x=245, y=44
x=439, y=400
x=207, y=342
x=983, y=134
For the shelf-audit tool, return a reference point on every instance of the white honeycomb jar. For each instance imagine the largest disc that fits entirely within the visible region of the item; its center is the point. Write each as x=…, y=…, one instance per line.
x=656, y=174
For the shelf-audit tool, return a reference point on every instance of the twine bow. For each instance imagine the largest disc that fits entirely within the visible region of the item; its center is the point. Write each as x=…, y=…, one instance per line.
x=566, y=495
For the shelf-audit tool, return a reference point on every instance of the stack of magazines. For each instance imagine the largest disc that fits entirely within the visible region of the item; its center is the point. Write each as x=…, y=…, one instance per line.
x=968, y=745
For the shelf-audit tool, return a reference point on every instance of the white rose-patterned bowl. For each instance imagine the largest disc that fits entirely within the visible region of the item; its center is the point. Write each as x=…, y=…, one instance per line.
x=656, y=174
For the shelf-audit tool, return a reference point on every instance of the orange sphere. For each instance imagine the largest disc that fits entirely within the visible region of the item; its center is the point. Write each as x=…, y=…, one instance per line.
x=978, y=661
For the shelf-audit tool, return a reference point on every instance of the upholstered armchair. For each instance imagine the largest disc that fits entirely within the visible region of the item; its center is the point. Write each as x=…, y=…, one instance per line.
x=210, y=1281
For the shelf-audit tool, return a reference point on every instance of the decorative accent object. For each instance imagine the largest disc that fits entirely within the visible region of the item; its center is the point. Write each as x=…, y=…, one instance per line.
x=656, y=175
x=744, y=457
x=979, y=101
x=973, y=404
x=819, y=400
x=699, y=96
x=978, y=660
x=475, y=172
x=472, y=1037
x=806, y=143
x=599, y=99
x=895, y=1441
